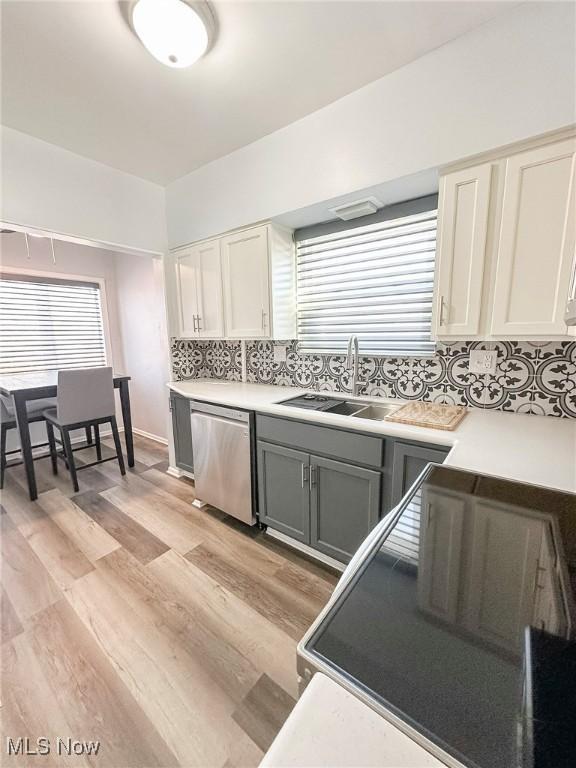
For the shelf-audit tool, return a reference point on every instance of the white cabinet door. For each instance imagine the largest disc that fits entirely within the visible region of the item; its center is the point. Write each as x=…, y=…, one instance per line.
x=210, y=320
x=463, y=228
x=537, y=239
x=439, y=566
x=502, y=574
x=187, y=266
x=246, y=283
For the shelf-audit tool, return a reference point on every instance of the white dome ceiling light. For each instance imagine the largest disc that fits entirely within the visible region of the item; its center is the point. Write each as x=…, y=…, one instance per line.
x=175, y=32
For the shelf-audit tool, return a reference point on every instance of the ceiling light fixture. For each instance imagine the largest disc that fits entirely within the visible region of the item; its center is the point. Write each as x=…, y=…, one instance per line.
x=175, y=32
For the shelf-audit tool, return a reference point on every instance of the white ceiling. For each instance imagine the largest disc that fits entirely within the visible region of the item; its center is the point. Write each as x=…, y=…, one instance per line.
x=74, y=75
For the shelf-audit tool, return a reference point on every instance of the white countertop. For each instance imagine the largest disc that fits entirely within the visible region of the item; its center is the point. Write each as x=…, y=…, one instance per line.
x=532, y=449
x=331, y=728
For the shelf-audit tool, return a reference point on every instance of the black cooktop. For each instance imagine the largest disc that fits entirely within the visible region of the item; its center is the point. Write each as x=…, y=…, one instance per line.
x=462, y=621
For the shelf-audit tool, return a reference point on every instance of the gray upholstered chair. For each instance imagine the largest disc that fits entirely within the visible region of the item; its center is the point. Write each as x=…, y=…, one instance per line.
x=35, y=410
x=85, y=399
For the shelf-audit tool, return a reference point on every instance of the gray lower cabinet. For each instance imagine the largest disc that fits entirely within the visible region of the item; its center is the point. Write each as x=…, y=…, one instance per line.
x=345, y=503
x=330, y=505
x=283, y=489
x=182, y=431
x=408, y=462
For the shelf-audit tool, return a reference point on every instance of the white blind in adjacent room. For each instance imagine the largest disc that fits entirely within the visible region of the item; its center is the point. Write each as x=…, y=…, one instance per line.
x=374, y=281
x=49, y=324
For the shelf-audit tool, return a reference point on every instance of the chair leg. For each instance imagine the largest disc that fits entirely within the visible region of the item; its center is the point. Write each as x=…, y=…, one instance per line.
x=52, y=444
x=98, y=445
x=88, y=431
x=118, y=445
x=70, y=457
x=3, y=433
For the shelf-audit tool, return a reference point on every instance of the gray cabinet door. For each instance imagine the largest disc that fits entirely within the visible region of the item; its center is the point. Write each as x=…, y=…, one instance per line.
x=345, y=501
x=182, y=431
x=408, y=463
x=283, y=490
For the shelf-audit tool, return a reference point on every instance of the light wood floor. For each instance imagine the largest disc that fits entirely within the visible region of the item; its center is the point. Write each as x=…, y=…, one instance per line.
x=130, y=617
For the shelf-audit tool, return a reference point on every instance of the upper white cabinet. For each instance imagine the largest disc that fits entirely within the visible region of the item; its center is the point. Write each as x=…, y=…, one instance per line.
x=506, y=244
x=463, y=227
x=536, y=247
x=239, y=286
x=199, y=286
x=246, y=283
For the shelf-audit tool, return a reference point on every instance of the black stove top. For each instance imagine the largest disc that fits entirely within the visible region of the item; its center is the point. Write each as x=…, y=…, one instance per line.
x=463, y=620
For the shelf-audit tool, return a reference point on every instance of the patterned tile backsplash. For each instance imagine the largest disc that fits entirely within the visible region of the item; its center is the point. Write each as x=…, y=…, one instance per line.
x=531, y=377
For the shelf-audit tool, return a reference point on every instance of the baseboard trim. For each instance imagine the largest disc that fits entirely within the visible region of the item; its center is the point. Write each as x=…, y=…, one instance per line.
x=175, y=472
x=288, y=540
x=150, y=436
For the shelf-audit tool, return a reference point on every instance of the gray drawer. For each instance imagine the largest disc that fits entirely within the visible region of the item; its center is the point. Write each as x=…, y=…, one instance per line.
x=350, y=446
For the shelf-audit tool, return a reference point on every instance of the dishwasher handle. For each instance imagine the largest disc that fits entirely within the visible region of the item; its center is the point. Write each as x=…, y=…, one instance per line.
x=217, y=410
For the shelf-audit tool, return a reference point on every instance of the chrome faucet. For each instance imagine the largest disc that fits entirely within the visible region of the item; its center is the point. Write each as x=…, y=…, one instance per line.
x=352, y=362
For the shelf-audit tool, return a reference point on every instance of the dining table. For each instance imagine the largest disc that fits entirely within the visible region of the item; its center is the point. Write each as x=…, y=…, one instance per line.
x=37, y=385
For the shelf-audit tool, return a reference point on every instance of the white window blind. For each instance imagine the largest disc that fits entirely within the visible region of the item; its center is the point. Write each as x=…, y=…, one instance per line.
x=374, y=281
x=49, y=324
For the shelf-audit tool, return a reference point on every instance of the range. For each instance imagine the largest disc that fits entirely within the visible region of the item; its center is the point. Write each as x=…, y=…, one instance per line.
x=457, y=621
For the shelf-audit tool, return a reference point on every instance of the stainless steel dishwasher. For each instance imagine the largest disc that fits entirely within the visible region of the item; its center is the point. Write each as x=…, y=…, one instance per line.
x=223, y=459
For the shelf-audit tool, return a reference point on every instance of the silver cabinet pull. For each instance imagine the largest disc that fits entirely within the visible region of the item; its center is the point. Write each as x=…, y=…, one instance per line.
x=198, y=318
x=264, y=315
x=312, y=476
x=304, y=475
x=194, y=321
x=442, y=306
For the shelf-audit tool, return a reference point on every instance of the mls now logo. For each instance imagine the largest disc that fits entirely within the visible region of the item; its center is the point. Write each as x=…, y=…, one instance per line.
x=43, y=746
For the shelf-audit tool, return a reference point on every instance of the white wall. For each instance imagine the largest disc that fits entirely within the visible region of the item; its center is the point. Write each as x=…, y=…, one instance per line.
x=135, y=313
x=510, y=79
x=143, y=328
x=46, y=187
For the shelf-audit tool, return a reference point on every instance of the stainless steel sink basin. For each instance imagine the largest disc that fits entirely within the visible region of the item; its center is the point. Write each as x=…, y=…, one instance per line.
x=363, y=410
x=375, y=412
x=347, y=408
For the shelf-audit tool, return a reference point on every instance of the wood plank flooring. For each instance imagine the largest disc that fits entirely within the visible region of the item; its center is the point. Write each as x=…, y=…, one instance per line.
x=129, y=617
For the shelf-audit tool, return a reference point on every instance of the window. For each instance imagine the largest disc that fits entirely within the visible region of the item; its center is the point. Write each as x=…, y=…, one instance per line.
x=48, y=324
x=375, y=281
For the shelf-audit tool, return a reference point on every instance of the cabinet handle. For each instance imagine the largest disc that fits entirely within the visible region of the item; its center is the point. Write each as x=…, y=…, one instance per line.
x=304, y=475
x=198, y=318
x=194, y=321
x=442, y=318
x=312, y=476
x=263, y=320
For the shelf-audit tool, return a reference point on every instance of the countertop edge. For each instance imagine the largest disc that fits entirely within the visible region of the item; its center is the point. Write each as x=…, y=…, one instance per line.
x=538, y=450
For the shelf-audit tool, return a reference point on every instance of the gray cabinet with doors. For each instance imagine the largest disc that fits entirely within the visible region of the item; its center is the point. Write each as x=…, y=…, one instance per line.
x=328, y=487
x=330, y=505
x=283, y=489
x=408, y=462
x=345, y=502
x=182, y=431
x=330, y=502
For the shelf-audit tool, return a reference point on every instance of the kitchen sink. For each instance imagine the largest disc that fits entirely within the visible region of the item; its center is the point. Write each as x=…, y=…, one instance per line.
x=358, y=409
x=362, y=410
x=375, y=412
x=346, y=408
